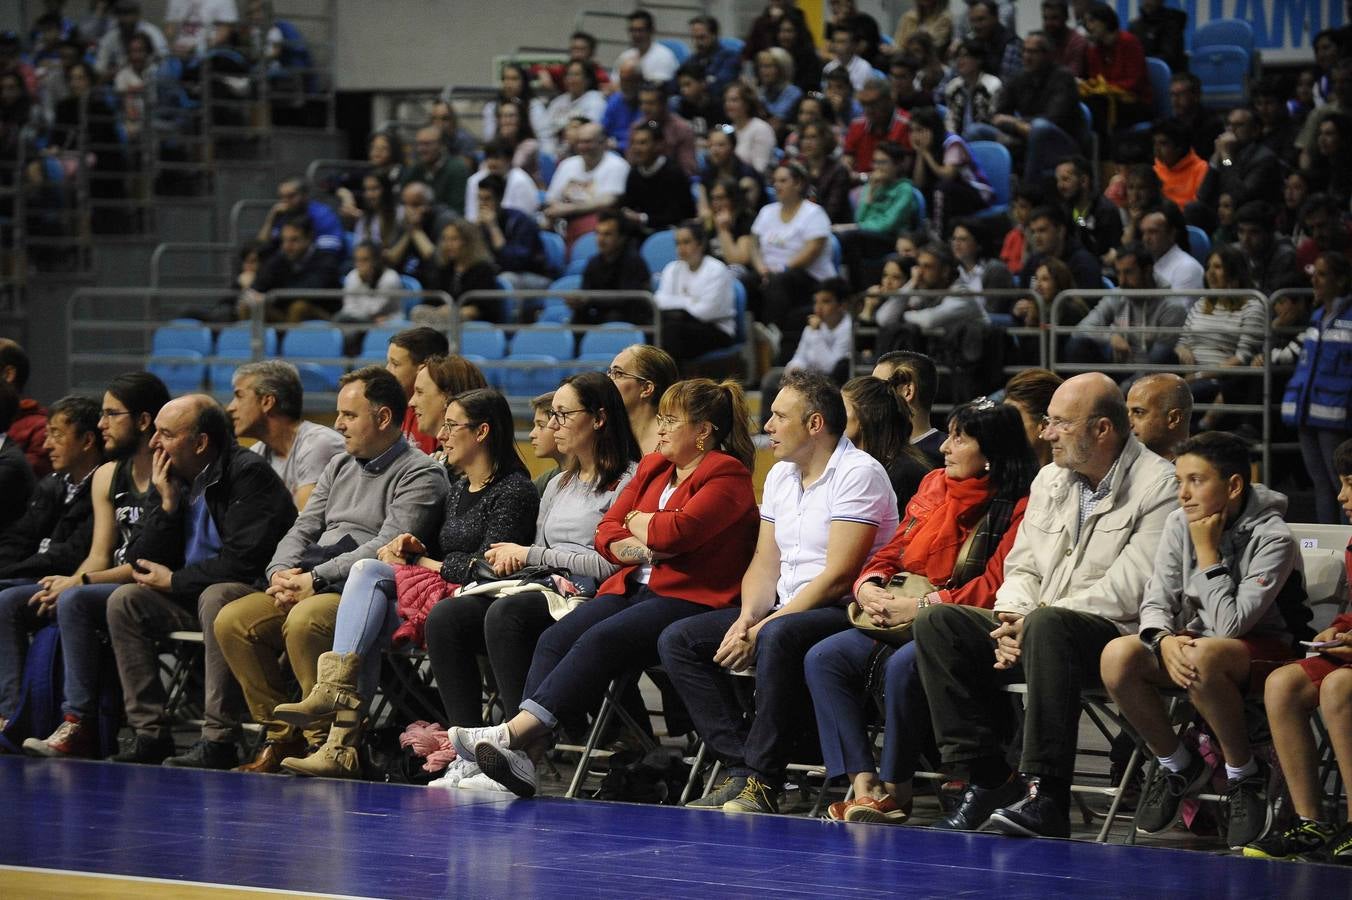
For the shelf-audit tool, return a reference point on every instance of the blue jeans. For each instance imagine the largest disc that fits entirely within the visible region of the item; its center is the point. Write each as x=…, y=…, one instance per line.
x=608, y=636
x=367, y=616
x=1047, y=145
x=1316, y=450
x=837, y=669
x=82, y=613
x=17, y=621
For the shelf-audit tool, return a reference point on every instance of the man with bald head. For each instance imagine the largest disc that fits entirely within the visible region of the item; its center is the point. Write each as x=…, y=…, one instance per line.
x=214, y=513
x=1159, y=408
x=587, y=183
x=1073, y=582
x=437, y=167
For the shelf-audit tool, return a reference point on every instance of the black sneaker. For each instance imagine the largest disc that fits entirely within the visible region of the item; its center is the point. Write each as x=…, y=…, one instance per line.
x=146, y=750
x=1250, y=813
x=978, y=803
x=205, y=754
x=1164, y=792
x=1336, y=850
x=1303, y=838
x=1036, y=815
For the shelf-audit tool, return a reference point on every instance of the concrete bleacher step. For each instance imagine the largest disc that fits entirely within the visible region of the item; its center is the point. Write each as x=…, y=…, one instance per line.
x=185, y=219
x=123, y=262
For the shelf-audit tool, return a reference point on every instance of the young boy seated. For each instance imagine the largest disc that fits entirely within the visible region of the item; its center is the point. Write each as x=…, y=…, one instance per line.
x=1323, y=681
x=1210, y=612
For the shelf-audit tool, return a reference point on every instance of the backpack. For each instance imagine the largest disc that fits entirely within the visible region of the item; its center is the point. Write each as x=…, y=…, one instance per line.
x=43, y=688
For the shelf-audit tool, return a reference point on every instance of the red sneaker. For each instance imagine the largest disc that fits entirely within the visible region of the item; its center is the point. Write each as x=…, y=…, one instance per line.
x=71, y=738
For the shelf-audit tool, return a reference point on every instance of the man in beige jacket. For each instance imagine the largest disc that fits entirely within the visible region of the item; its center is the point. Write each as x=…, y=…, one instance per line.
x=1073, y=582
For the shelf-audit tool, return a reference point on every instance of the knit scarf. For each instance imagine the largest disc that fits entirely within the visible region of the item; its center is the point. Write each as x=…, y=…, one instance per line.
x=933, y=550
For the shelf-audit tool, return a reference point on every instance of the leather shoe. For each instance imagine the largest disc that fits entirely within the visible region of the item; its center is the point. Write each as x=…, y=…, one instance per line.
x=270, y=756
x=978, y=803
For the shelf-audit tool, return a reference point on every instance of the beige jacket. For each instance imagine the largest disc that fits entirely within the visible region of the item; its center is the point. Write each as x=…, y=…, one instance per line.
x=1106, y=570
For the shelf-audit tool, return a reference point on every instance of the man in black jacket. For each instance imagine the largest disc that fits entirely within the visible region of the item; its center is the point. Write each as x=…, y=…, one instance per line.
x=215, y=513
x=617, y=266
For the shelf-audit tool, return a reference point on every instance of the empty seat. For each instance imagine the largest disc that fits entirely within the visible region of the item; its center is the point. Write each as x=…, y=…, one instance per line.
x=658, y=250
x=315, y=344
x=995, y=163
x=609, y=339
x=483, y=339
x=583, y=249
x=176, y=351
x=1224, y=72
x=531, y=381
x=1232, y=32
x=375, y=343
x=236, y=342
x=550, y=339
x=556, y=309
x=182, y=376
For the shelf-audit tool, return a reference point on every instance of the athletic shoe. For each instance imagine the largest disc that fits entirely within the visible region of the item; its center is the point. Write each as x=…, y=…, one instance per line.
x=1305, y=837
x=510, y=768
x=465, y=739
x=205, y=754
x=755, y=796
x=1036, y=815
x=727, y=789
x=482, y=782
x=877, y=812
x=1336, y=850
x=71, y=738
x=978, y=803
x=458, y=770
x=1164, y=793
x=1250, y=813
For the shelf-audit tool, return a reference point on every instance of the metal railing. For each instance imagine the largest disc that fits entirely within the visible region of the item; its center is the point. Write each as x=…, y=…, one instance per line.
x=219, y=255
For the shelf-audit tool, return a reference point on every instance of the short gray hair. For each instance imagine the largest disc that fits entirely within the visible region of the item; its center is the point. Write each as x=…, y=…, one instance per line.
x=278, y=379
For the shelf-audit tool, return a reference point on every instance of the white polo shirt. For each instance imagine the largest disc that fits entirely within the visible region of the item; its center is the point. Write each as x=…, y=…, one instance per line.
x=854, y=488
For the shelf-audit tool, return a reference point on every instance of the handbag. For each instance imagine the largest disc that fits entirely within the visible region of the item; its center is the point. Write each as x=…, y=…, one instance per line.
x=902, y=584
x=552, y=582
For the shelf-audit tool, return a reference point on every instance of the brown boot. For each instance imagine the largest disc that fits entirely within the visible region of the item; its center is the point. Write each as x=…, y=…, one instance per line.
x=335, y=689
x=271, y=754
x=336, y=759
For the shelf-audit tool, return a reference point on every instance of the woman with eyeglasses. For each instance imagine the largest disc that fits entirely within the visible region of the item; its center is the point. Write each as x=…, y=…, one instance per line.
x=642, y=373
x=683, y=532
x=590, y=428
x=439, y=379
x=955, y=534
x=492, y=501
x=696, y=297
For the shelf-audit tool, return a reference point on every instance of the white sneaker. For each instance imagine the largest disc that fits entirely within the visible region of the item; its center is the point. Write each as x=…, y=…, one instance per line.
x=510, y=768
x=481, y=782
x=464, y=739
x=456, y=772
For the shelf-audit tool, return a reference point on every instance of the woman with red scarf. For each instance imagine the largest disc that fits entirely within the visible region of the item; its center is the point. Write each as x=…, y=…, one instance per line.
x=956, y=532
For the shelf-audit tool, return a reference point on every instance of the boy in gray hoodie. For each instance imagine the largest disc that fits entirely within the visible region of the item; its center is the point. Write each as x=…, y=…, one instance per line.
x=1211, y=611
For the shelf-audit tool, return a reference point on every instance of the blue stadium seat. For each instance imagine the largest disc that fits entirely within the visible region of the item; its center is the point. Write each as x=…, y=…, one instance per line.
x=737, y=45
x=179, y=377
x=310, y=341
x=236, y=342
x=186, y=339
x=677, y=47
x=549, y=339
x=1224, y=73
x=1199, y=244
x=1229, y=32
x=995, y=163
x=547, y=163
x=837, y=254
x=1160, y=76
x=316, y=378
x=555, y=252
x=583, y=249
x=658, y=250
x=529, y=382
x=376, y=342
x=556, y=309
x=609, y=339
x=483, y=339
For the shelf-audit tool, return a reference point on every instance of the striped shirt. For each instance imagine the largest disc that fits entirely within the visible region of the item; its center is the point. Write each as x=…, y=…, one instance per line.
x=1213, y=337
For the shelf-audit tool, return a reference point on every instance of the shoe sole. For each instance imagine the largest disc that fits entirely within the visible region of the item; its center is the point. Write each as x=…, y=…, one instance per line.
x=463, y=750
x=1198, y=783
x=873, y=817
x=500, y=766
x=1010, y=827
x=39, y=747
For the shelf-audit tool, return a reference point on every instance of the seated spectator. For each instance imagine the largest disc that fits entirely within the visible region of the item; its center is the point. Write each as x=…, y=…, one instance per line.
x=945, y=172
x=1116, y=86
x=1069, y=47
x=828, y=506
x=293, y=200
x=516, y=134
x=915, y=379
x=1201, y=124
x=410, y=250
x=887, y=206
x=843, y=57
x=765, y=27
x=877, y=422
x=825, y=344
x=511, y=235
x=28, y=427
x=980, y=495
x=1181, y=171
x=1015, y=249
x=298, y=264
x=1290, y=696
x=113, y=49
x=891, y=280
x=267, y=407
x=656, y=193
x=440, y=379
x=1030, y=391
x=971, y=94
x=617, y=266
x=135, y=83
x=903, y=72
x=1338, y=100
x=721, y=65
x=840, y=95
x=600, y=456
x=654, y=60
x=385, y=153
x=864, y=29
x=976, y=271
x=1142, y=325
x=1277, y=130
x=1325, y=229
x=444, y=172
x=622, y=106
x=935, y=270
x=1140, y=195
x=929, y=16
x=721, y=163
x=519, y=190
x=682, y=552
x=192, y=27
x=463, y=263
x=792, y=34
x=542, y=439
x=882, y=122
x=829, y=180
x=1165, y=234
x=755, y=138
x=1001, y=48
x=1050, y=278
x=1048, y=229
x=581, y=48
x=1240, y=166
x=456, y=140
x=514, y=84
x=931, y=73
x=377, y=219
x=367, y=288
x=378, y=489
x=642, y=373
x=729, y=228
x=1073, y=582
x=1271, y=258
x=1160, y=29
x=585, y=184
x=1098, y=223
x=778, y=95
x=407, y=352
x=696, y=298
x=1213, y=619
x=1223, y=333
x=579, y=100
x=694, y=103
x=502, y=509
x=1159, y=408
x=1329, y=158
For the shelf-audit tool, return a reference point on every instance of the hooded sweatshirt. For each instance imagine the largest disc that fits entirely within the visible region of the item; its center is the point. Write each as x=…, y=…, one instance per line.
x=1236, y=597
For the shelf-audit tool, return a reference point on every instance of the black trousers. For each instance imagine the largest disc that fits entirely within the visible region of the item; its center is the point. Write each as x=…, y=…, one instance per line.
x=686, y=337
x=455, y=639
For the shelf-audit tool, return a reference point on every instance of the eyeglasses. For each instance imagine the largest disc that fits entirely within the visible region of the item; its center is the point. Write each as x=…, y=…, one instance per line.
x=616, y=372
x=560, y=416
x=112, y=413
x=1058, y=424
x=448, y=426
x=667, y=423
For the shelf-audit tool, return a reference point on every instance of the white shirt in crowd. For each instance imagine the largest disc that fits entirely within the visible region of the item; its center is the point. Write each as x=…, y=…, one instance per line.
x=197, y=19
x=521, y=193
x=858, y=67
x=756, y=144
x=820, y=349
x=706, y=293
x=780, y=241
x=574, y=182
x=658, y=65
x=363, y=304
x=564, y=109
x=1177, y=269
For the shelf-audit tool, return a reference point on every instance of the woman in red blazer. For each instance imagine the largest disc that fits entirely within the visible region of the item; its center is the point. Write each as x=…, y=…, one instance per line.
x=684, y=529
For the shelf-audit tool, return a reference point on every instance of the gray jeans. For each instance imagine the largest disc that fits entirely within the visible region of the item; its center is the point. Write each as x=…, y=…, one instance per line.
x=139, y=619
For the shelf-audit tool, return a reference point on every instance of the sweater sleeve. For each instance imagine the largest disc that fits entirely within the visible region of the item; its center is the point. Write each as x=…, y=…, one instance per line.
x=509, y=517
x=1252, y=321
x=1231, y=609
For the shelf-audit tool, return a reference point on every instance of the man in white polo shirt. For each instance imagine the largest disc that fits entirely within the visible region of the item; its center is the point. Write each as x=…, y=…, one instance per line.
x=827, y=507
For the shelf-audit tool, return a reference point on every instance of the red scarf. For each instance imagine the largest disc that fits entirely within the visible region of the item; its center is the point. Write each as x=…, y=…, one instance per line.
x=937, y=538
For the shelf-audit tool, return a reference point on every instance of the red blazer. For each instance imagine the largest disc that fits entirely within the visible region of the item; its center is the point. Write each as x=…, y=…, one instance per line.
x=711, y=523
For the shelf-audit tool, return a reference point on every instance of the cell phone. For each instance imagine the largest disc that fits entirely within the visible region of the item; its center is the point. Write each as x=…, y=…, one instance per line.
x=1319, y=645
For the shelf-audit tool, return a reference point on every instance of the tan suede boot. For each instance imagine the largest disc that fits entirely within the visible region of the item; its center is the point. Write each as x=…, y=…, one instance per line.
x=337, y=758
x=335, y=690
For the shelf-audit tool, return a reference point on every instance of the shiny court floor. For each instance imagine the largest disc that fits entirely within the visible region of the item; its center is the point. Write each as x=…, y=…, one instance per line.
x=363, y=839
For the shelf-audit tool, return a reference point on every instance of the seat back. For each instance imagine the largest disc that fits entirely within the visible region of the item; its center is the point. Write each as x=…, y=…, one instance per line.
x=583, y=249
x=556, y=252
x=375, y=343
x=1160, y=75
x=679, y=48
x=996, y=164
x=483, y=339
x=610, y=339
x=1199, y=244
x=181, y=337
x=549, y=339
x=315, y=340
x=236, y=342
x=1235, y=32
x=556, y=309
x=1323, y=552
x=1224, y=73
x=658, y=250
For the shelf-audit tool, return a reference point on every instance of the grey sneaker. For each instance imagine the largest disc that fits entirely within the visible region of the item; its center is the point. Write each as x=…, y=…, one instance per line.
x=510, y=768
x=726, y=790
x=756, y=796
x=1164, y=792
x=1250, y=813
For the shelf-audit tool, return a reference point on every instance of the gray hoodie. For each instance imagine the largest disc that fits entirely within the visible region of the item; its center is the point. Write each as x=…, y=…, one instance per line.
x=1236, y=597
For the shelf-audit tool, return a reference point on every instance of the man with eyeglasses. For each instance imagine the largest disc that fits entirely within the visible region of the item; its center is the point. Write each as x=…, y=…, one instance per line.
x=1241, y=166
x=1037, y=113
x=1073, y=582
x=656, y=61
x=881, y=123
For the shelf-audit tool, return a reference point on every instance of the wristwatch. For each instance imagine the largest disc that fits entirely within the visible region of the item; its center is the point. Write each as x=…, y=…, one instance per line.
x=318, y=582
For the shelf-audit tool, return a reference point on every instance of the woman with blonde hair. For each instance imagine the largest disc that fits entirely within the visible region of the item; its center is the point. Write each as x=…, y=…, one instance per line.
x=778, y=94
x=463, y=263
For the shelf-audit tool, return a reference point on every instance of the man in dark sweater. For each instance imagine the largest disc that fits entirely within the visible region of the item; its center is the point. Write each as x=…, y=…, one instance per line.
x=1050, y=235
x=657, y=193
x=617, y=266
x=298, y=265
x=1038, y=114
